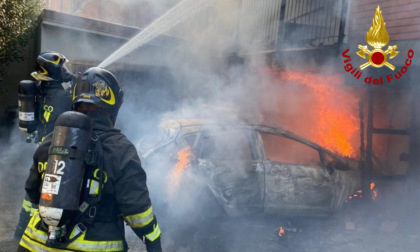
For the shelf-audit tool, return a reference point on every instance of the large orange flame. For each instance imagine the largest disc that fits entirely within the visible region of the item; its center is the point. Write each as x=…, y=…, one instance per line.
x=328, y=112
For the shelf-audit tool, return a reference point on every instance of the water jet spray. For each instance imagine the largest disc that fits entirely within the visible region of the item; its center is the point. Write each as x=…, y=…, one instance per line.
x=164, y=23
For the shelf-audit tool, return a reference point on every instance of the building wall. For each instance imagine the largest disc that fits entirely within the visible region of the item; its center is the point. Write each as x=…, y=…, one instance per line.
x=129, y=13
x=77, y=45
x=401, y=17
x=402, y=24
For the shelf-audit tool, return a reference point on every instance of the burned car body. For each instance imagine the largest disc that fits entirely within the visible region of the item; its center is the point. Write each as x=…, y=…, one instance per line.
x=251, y=168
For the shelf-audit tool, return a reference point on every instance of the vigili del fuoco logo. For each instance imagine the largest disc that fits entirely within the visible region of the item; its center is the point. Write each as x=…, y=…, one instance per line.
x=377, y=37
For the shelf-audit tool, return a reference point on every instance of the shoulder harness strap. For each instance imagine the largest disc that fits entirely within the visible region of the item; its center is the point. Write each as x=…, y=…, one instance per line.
x=94, y=158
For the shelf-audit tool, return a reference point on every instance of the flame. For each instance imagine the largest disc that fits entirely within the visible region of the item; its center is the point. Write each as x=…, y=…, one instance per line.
x=281, y=232
x=377, y=36
x=185, y=156
x=373, y=191
x=358, y=194
x=184, y=162
x=330, y=112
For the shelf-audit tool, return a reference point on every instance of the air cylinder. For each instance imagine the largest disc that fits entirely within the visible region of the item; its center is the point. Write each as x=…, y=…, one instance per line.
x=26, y=104
x=63, y=178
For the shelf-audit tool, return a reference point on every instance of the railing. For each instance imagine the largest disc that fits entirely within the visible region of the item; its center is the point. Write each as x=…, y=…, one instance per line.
x=311, y=23
x=258, y=23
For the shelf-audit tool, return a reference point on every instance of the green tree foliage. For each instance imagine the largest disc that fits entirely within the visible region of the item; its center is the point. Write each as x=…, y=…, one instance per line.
x=18, y=19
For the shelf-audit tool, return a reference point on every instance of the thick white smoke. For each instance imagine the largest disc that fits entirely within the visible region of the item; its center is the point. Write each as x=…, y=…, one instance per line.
x=206, y=86
x=15, y=162
x=210, y=78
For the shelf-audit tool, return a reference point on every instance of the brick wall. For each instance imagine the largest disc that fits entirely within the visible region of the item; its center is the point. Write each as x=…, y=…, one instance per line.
x=402, y=17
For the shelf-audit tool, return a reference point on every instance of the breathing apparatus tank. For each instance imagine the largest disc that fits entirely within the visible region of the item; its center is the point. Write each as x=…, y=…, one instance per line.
x=26, y=104
x=63, y=178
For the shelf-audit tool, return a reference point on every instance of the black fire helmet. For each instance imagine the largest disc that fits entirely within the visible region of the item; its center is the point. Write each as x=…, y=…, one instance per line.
x=50, y=67
x=99, y=87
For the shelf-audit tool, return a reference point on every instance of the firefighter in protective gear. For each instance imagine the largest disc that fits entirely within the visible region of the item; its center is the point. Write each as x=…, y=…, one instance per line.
x=124, y=195
x=52, y=99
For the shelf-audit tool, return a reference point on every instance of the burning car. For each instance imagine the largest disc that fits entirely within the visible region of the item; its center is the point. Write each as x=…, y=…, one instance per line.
x=247, y=168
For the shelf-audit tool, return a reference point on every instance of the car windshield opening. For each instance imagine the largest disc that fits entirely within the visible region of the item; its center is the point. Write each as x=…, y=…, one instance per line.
x=285, y=150
x=153, y=139
x=224, y=145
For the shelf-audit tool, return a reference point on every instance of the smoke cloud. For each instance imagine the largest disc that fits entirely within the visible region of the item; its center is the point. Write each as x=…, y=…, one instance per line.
x=213, y=76
x=15, y=162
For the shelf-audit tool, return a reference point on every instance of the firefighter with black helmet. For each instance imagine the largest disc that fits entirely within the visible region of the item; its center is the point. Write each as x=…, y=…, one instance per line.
x=54, y=98
x=47, y=98
x=114, y=186
x=42, y=101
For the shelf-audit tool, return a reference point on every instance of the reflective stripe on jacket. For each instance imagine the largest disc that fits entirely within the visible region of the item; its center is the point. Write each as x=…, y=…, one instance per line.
x=35, y=239
x=144, y=223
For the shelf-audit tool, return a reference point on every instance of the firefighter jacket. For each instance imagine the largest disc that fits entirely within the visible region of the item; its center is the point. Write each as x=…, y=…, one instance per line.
x=52, y=100
x=125, y=196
